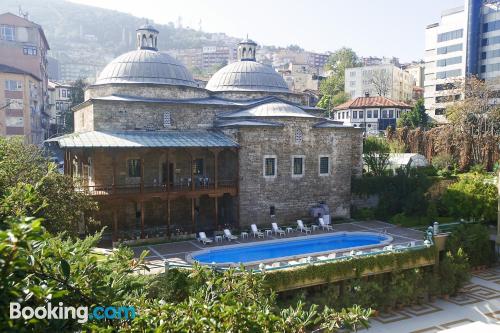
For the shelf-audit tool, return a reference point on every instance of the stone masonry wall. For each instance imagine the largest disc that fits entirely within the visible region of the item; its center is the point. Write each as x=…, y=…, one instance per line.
x=146, y=91
x=292, y=197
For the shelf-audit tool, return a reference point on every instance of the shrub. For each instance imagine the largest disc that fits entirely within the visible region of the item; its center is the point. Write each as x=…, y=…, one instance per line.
x=474, y=239
x=472, y=197
x=443, y=161
x=454, y=272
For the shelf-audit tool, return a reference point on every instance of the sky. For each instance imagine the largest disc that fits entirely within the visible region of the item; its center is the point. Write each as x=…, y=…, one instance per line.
x=370, y=27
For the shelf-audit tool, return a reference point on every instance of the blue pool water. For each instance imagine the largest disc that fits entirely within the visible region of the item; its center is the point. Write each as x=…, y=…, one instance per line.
x=262, y=251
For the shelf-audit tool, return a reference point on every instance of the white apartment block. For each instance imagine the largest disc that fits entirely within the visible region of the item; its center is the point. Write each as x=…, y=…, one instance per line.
x=360, y=82
x=465, y=42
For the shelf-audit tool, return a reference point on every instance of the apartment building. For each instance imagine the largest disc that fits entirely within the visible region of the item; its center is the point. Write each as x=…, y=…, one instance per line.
x=465, y=42
x=301, y=77
x=23, y=59
x=59, y=105
x=384, y=80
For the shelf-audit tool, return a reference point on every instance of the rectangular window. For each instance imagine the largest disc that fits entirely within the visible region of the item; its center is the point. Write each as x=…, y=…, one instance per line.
x=354, y=114
x=448, y=74
x=7, y=32
x=324, y=165
x=449, y=49
x=134, y=167
x=448, y=61
x=490, y=41
x=439, y=112
x=384, y=113
x=30, y=50
x=361, y=114
x=450, y=35
x=490, y=68
x=391, y=113
x=13, y=85
x=298, y=166
x=375, y=113
x=63, y=93
x=491, y=26
x=445, y=86
x=167, y=119
x=198, y=167
x=368, y=113
x=270, y=166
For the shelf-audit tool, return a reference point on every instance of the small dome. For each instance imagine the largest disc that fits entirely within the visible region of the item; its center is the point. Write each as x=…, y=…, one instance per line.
x=247, y=76
x=271, y=109
x=146, y=66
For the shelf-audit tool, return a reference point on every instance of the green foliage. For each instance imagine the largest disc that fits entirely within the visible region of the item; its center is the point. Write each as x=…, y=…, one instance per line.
x=416, y=117
x=376, y=155
x=363, y=214
x=344, y=268
x=454, y=271
x=473, y=197
x=31, y=186
x=405, y=192
x=474, y=239
x=444, y=164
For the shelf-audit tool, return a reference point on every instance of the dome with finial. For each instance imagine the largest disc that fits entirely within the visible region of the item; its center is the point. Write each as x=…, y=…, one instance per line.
x=247, y=74
x=146, y=64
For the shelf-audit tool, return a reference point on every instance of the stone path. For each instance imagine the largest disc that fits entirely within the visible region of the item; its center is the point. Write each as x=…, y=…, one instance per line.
x=479, y=301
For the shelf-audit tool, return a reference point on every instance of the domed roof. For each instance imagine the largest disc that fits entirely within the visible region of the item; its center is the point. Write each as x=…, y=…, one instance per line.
x=247, y=76
x=146, y=66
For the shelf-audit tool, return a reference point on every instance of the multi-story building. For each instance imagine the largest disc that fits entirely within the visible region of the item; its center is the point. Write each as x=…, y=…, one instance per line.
x=59, y=105
x=21, y=99
x=301, y=77
x=165, y=157
x=417, y=71
x=207, y=58
x=465, y=42
x=379, y=80
x=23, y=50
x=372, y=114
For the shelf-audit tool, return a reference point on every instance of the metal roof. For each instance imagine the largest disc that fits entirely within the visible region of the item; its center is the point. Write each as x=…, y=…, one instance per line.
x=270, y=109
x=143, y=139
x=248, y=123
x=247, y=76
x=330, y=124
x=146, y=66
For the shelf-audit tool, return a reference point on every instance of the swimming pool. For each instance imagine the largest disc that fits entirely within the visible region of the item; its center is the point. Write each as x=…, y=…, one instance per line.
x=289, y=248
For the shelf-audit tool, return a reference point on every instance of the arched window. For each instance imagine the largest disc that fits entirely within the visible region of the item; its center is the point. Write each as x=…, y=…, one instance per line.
x=144, y=41
x=167, y=120
x=151, y=41
x=299, y=136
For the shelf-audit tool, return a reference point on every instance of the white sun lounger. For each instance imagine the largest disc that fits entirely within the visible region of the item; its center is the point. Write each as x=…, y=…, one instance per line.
x=229, y=235
x=323, y=225
x=302, y=228
x=277, y=230
x=256, y=232
x=204, y=239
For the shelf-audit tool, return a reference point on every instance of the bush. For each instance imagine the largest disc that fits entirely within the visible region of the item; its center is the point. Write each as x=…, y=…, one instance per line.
x=472, y=197
x=474, y=239
x=364, y=214
x=454, y=272
x=444, y=163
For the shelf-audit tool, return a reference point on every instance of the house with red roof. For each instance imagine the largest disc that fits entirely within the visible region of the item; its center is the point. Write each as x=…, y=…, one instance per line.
x=373, y=114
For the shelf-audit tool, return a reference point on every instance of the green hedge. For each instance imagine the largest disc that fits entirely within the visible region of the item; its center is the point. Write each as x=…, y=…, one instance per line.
x=346, y=268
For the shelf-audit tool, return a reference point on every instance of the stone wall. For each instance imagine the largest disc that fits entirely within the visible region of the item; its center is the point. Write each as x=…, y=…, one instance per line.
x=84, y=119
x=140, y=115
x=146, y=91
x=292, y=197
x=245, y=95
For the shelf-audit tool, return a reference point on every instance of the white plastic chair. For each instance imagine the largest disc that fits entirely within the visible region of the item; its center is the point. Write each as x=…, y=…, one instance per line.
x=323, y=225
x=204, y=239
x=302, y=228
x=277, y=230
x=229, y=235
x=256, y=232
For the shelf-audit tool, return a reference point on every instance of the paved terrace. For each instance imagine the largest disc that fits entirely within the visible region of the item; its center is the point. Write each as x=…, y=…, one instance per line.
x=176, y=251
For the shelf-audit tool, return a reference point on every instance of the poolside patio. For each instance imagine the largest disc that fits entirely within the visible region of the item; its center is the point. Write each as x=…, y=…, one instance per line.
x=176, y=252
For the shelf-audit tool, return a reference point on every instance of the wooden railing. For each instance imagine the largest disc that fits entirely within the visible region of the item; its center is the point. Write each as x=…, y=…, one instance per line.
x=155, y=188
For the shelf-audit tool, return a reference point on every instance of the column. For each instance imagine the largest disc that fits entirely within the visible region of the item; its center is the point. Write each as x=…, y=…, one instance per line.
x=216, y=166
x=193, y=221
x=115, y=224
x=114, y=172
x=192, y=172
x=216, y=213
x=142, y=175
x=168, y=217
x=168, y=170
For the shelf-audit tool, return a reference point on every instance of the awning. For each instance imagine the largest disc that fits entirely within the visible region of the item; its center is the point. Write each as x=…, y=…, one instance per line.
x=144, y=139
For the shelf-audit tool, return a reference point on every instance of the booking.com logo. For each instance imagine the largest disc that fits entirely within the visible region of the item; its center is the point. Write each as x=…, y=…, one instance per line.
x=81, y=313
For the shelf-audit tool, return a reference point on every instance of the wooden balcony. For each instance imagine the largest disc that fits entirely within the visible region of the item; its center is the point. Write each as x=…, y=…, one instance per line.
x=163, y=191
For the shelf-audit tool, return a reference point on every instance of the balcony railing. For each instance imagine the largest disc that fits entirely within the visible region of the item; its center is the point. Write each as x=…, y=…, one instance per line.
x=157, y=188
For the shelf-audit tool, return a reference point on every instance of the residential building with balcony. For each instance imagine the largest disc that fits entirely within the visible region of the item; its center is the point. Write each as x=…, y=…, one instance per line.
x=23, y=49
x=165, y=157
x=59, y=105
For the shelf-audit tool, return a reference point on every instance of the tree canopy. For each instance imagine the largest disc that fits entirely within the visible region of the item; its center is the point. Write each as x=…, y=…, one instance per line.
x=376, y=155
x=416, y=117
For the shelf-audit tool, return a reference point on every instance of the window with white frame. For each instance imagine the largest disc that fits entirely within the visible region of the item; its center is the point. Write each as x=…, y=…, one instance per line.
x=299, y=136
x=375, y=113
x=324, y=165
x=270, y=162
x=167, y=120
x=30, y=50
x=7, y=32
x=361, y=114
x=368, y=113
x=354, y=114
x=13, y=85
x=298, y=165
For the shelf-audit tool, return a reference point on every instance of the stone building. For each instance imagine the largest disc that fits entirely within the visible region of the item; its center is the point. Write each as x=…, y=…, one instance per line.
x=165, y=157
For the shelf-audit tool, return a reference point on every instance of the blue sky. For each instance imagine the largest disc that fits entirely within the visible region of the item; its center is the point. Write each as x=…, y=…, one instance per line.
x=370, y=27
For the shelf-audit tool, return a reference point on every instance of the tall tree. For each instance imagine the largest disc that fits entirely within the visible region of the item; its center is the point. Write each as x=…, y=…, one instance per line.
x=475, y=119
x=416, y=117
x=381, y=82
x=376, y=155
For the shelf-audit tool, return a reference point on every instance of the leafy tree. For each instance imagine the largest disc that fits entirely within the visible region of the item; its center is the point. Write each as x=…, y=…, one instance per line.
x=416, y=117
x=376, y=155
x=30, y=185
x=474, y=239
x=472, y=197
x=327, y=102
x=381, y=81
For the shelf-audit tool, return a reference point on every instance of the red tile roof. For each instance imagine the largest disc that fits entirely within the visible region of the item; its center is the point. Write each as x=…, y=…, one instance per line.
x=367, y=102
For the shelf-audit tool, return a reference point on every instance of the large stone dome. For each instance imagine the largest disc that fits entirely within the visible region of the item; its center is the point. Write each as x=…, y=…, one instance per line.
x=247, y=76
x=146, y=66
